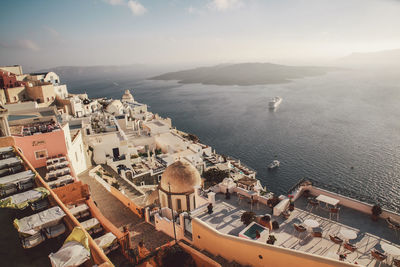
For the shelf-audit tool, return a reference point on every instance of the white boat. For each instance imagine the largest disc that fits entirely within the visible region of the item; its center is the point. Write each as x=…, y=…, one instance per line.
x=275, y=102
x=274, y=164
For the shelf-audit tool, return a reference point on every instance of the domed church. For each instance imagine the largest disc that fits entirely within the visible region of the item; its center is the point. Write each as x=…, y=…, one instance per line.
x=176, y=188
x=127, y=97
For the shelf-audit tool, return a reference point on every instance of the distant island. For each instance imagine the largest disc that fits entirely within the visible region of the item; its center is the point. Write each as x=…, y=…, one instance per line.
x=244, y=74
x=384, y=58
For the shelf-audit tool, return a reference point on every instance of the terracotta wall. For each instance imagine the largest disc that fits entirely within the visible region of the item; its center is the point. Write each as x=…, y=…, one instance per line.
x=127, y=202
x=53, y=143
x=252, y=253
x=200, y=259
x=7, y=141
x=73, y=193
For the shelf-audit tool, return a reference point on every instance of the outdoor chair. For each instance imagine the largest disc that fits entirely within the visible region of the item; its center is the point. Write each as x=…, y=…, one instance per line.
x=312, y=203
x=378, y=255
x=299, y=228
x=334, y=212
x=336, y=240
x=350, y=247
x=317, y=234
x=392, y=225
x=286, y=214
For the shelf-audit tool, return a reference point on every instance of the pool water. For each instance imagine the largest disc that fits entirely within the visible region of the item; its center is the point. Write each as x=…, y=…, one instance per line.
x=20, y=117
x=251, y=232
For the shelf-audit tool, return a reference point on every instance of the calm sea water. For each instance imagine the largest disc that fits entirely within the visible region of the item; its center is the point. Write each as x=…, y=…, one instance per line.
x=324, y=126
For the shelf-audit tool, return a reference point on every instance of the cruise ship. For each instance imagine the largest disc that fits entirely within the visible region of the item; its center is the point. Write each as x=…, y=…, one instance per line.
x=275, y=102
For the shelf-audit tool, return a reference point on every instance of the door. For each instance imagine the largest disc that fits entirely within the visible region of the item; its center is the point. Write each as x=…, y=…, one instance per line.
x=116, y=152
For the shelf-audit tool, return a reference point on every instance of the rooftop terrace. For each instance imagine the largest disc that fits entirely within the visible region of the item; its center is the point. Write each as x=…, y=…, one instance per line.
x=26, y=127
x=370, y=234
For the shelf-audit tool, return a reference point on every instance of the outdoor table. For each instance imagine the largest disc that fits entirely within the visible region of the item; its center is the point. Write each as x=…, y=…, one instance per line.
x=311, y=223
x=327, y=200
x=348, y=234
x=391, y=250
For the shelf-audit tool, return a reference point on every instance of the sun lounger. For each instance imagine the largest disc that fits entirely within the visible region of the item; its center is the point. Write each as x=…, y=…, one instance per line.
x=32, y=224
x=61, y=181
x=40, y=205
x=80, y=211
x=54, y=231
x=92, y=226
x=10, y=162
x=72, y=253
x=19, y=181
x=23, y=200
x=6, y=151
x=107, y=242
x=33, y=240
x=11, y=170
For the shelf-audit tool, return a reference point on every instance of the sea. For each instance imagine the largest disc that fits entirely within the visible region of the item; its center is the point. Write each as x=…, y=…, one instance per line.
x=341, y=129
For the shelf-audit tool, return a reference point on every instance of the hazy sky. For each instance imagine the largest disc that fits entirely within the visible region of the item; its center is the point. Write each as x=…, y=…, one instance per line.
x=98, y=32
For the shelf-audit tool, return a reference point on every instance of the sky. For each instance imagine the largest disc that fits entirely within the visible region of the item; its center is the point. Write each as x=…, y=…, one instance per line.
x=49, y=33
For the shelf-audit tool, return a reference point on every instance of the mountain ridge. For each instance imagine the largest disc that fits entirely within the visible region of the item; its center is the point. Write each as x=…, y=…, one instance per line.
x=244, y=74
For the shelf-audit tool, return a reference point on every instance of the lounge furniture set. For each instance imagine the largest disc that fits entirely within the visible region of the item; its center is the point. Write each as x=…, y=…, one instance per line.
x=34, y=229
x=326, y=203
x=58, y=171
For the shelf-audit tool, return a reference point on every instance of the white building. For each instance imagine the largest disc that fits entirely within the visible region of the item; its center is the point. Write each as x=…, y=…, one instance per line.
x=108, y=145
x=76, y=149
x=115, y=107
x=61, y=91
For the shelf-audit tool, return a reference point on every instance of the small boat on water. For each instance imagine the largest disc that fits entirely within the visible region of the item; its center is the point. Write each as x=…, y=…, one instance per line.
x=274, y=164
x=275, y=102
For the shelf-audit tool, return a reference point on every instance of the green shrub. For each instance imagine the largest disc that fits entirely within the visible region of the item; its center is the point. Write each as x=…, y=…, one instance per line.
x=247, y=217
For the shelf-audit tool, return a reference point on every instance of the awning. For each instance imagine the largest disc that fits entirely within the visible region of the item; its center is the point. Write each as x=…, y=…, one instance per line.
x=106, y=240
x=74, y=252
x=32, y=224
x=22, y=200
x=16, y=178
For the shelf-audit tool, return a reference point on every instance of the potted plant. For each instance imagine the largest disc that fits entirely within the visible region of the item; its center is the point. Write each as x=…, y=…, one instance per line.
x=376, y=211
x=247, y=217
x=306, y=193
x=271, y=239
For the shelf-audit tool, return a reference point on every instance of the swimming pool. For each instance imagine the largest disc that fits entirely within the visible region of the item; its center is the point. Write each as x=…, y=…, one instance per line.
x=251, y=230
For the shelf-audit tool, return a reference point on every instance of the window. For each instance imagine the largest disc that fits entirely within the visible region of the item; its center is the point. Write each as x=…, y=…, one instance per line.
x=178, y=204
x=142, y=183
x=159, y=178
x=41, y=154
x=15, y=98
x=48, y=99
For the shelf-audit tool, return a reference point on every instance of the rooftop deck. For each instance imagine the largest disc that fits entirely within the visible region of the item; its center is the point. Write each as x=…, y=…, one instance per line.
x=226, y=214
x=370, y=234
